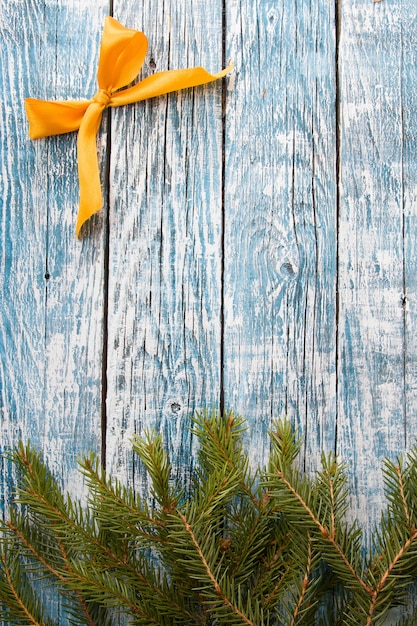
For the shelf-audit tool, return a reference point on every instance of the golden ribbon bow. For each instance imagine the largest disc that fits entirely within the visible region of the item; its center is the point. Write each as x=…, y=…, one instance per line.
x=122, y=54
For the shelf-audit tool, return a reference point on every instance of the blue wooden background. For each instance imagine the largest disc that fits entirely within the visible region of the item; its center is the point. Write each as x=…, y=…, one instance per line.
x=257, y=247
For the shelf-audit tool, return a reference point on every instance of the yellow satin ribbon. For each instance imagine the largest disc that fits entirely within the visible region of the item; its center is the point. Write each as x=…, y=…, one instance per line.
x=122, y=54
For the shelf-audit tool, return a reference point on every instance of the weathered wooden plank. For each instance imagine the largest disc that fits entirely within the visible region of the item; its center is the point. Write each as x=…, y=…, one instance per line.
x=280, y=219
x=409, y=181
x=165, y=239
x=376, y=246
x=51, y=285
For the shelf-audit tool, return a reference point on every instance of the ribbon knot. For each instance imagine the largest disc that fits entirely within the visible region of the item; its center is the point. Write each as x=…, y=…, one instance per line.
x=122, y=53
x=102, y=97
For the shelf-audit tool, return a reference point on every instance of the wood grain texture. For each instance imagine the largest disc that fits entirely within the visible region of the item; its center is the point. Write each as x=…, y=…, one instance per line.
x=165, y=241
x=50, y=284
x=408, y=28
x=280, y=219
x=272, y=232
x=377, y=358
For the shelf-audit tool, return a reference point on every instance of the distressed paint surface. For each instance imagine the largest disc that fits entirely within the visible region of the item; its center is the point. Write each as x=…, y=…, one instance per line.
x=377, y=230
x=280, y=219
x=51, y=285
x=165, y=239
x=257, y=246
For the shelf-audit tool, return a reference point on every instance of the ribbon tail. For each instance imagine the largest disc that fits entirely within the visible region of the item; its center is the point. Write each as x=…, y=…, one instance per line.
x=166, y=82
x=91, y=199
x=53, y=118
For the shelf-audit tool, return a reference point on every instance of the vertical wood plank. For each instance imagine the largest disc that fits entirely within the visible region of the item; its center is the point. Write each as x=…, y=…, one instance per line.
x=280, y=219
x=374, y=256
x=50, y=283
x=408, y=40
x=165, y=239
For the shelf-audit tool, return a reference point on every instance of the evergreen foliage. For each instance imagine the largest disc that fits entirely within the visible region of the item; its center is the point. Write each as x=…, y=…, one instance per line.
x=236, y=547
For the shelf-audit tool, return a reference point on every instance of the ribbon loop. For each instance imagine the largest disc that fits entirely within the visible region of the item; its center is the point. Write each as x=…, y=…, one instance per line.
x=122, y=54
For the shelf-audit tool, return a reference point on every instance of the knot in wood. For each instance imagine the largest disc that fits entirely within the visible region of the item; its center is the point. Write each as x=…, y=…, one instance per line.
x=102, y=97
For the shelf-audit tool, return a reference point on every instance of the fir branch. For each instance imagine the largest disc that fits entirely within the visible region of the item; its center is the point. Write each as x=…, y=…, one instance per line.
x=155, y=458
x=235, y=549
x=325, y=534
x=250, y=534
x=276, y=566
x=52, y=570
x=108, y=590
x=333, y=514
x=123, y=514
x=286, y=445
x=215, y=492
x=35, y=553
x=111, y=490
x=386, y=576
x=111, y=588
x=217, y=588
x=223, y=437
x=305, y=583
x=331, y=494
x=140, y=580
x=55, y=573
x=69, y=569
x=403, y=497
x=282, y=583
x=63, y=523
x=17, y=603
x=395, y=484
x=21, y=605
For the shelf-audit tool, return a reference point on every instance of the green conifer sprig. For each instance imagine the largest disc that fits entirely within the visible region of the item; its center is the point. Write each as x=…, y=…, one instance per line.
x=379, y=581
x=234, y=547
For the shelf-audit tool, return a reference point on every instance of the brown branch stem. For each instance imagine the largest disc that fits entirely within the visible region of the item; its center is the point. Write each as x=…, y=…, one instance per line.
x=210, y=574
x=386, y=575
x=305, y=583
x=325, y=533
x=13, y=589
